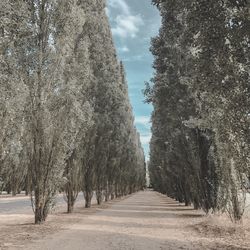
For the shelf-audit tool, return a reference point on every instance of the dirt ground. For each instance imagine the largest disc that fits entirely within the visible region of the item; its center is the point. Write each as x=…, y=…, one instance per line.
x=145, y=220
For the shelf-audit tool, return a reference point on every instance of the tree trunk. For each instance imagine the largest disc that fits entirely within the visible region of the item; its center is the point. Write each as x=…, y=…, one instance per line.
x=39, y=215
x=70, y=201
x=8, y=189
x=41, y=212
x=111, y=192
x=237, y=213
x=99, y=197
x=196, y=204
x=116, y=191
x=186, y=199
x=70, y=207
x=106, y=197
x=130, y=189
x=88, y=197
x=107, y=192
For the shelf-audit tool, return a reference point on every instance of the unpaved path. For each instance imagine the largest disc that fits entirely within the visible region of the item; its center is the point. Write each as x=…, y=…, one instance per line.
x=143, y=221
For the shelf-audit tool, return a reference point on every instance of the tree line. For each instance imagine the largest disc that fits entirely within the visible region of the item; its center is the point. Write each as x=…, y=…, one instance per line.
x=200, y=92
x=66, y=123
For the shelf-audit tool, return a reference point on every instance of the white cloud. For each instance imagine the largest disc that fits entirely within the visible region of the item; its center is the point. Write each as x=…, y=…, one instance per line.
x=144, y=120
x=145, y=139
x=124, y=49
x=133, y=58
x=121, y=5
x=127, y=26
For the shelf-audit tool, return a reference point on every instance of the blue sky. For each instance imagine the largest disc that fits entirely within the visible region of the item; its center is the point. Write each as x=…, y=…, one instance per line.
x=133, y=24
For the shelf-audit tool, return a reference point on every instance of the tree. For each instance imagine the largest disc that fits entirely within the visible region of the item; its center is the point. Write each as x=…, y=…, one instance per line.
x=73, y=124
x=198, y=118
x=13, y=91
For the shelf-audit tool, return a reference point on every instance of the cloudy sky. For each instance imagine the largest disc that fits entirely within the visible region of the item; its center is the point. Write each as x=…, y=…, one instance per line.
x=133, y=24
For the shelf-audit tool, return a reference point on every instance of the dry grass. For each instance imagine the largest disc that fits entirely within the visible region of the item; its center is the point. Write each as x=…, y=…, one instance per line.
x=220, y=228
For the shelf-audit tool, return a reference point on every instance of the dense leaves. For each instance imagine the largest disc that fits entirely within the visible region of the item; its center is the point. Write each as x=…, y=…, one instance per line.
x=66, y=121
x=201, y=97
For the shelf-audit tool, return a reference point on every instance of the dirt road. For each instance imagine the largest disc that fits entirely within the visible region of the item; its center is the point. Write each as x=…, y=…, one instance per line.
x=146, y=220
x=143, y=221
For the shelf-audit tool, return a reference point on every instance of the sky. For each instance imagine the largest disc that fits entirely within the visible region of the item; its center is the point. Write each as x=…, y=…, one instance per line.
x=133, y=23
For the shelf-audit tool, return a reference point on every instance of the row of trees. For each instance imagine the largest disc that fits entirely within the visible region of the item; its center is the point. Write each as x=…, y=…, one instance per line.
x=201, y=96
x=65, y=118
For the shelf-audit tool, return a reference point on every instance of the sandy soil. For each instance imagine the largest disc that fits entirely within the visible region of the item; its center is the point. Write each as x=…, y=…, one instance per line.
x=146, y=220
